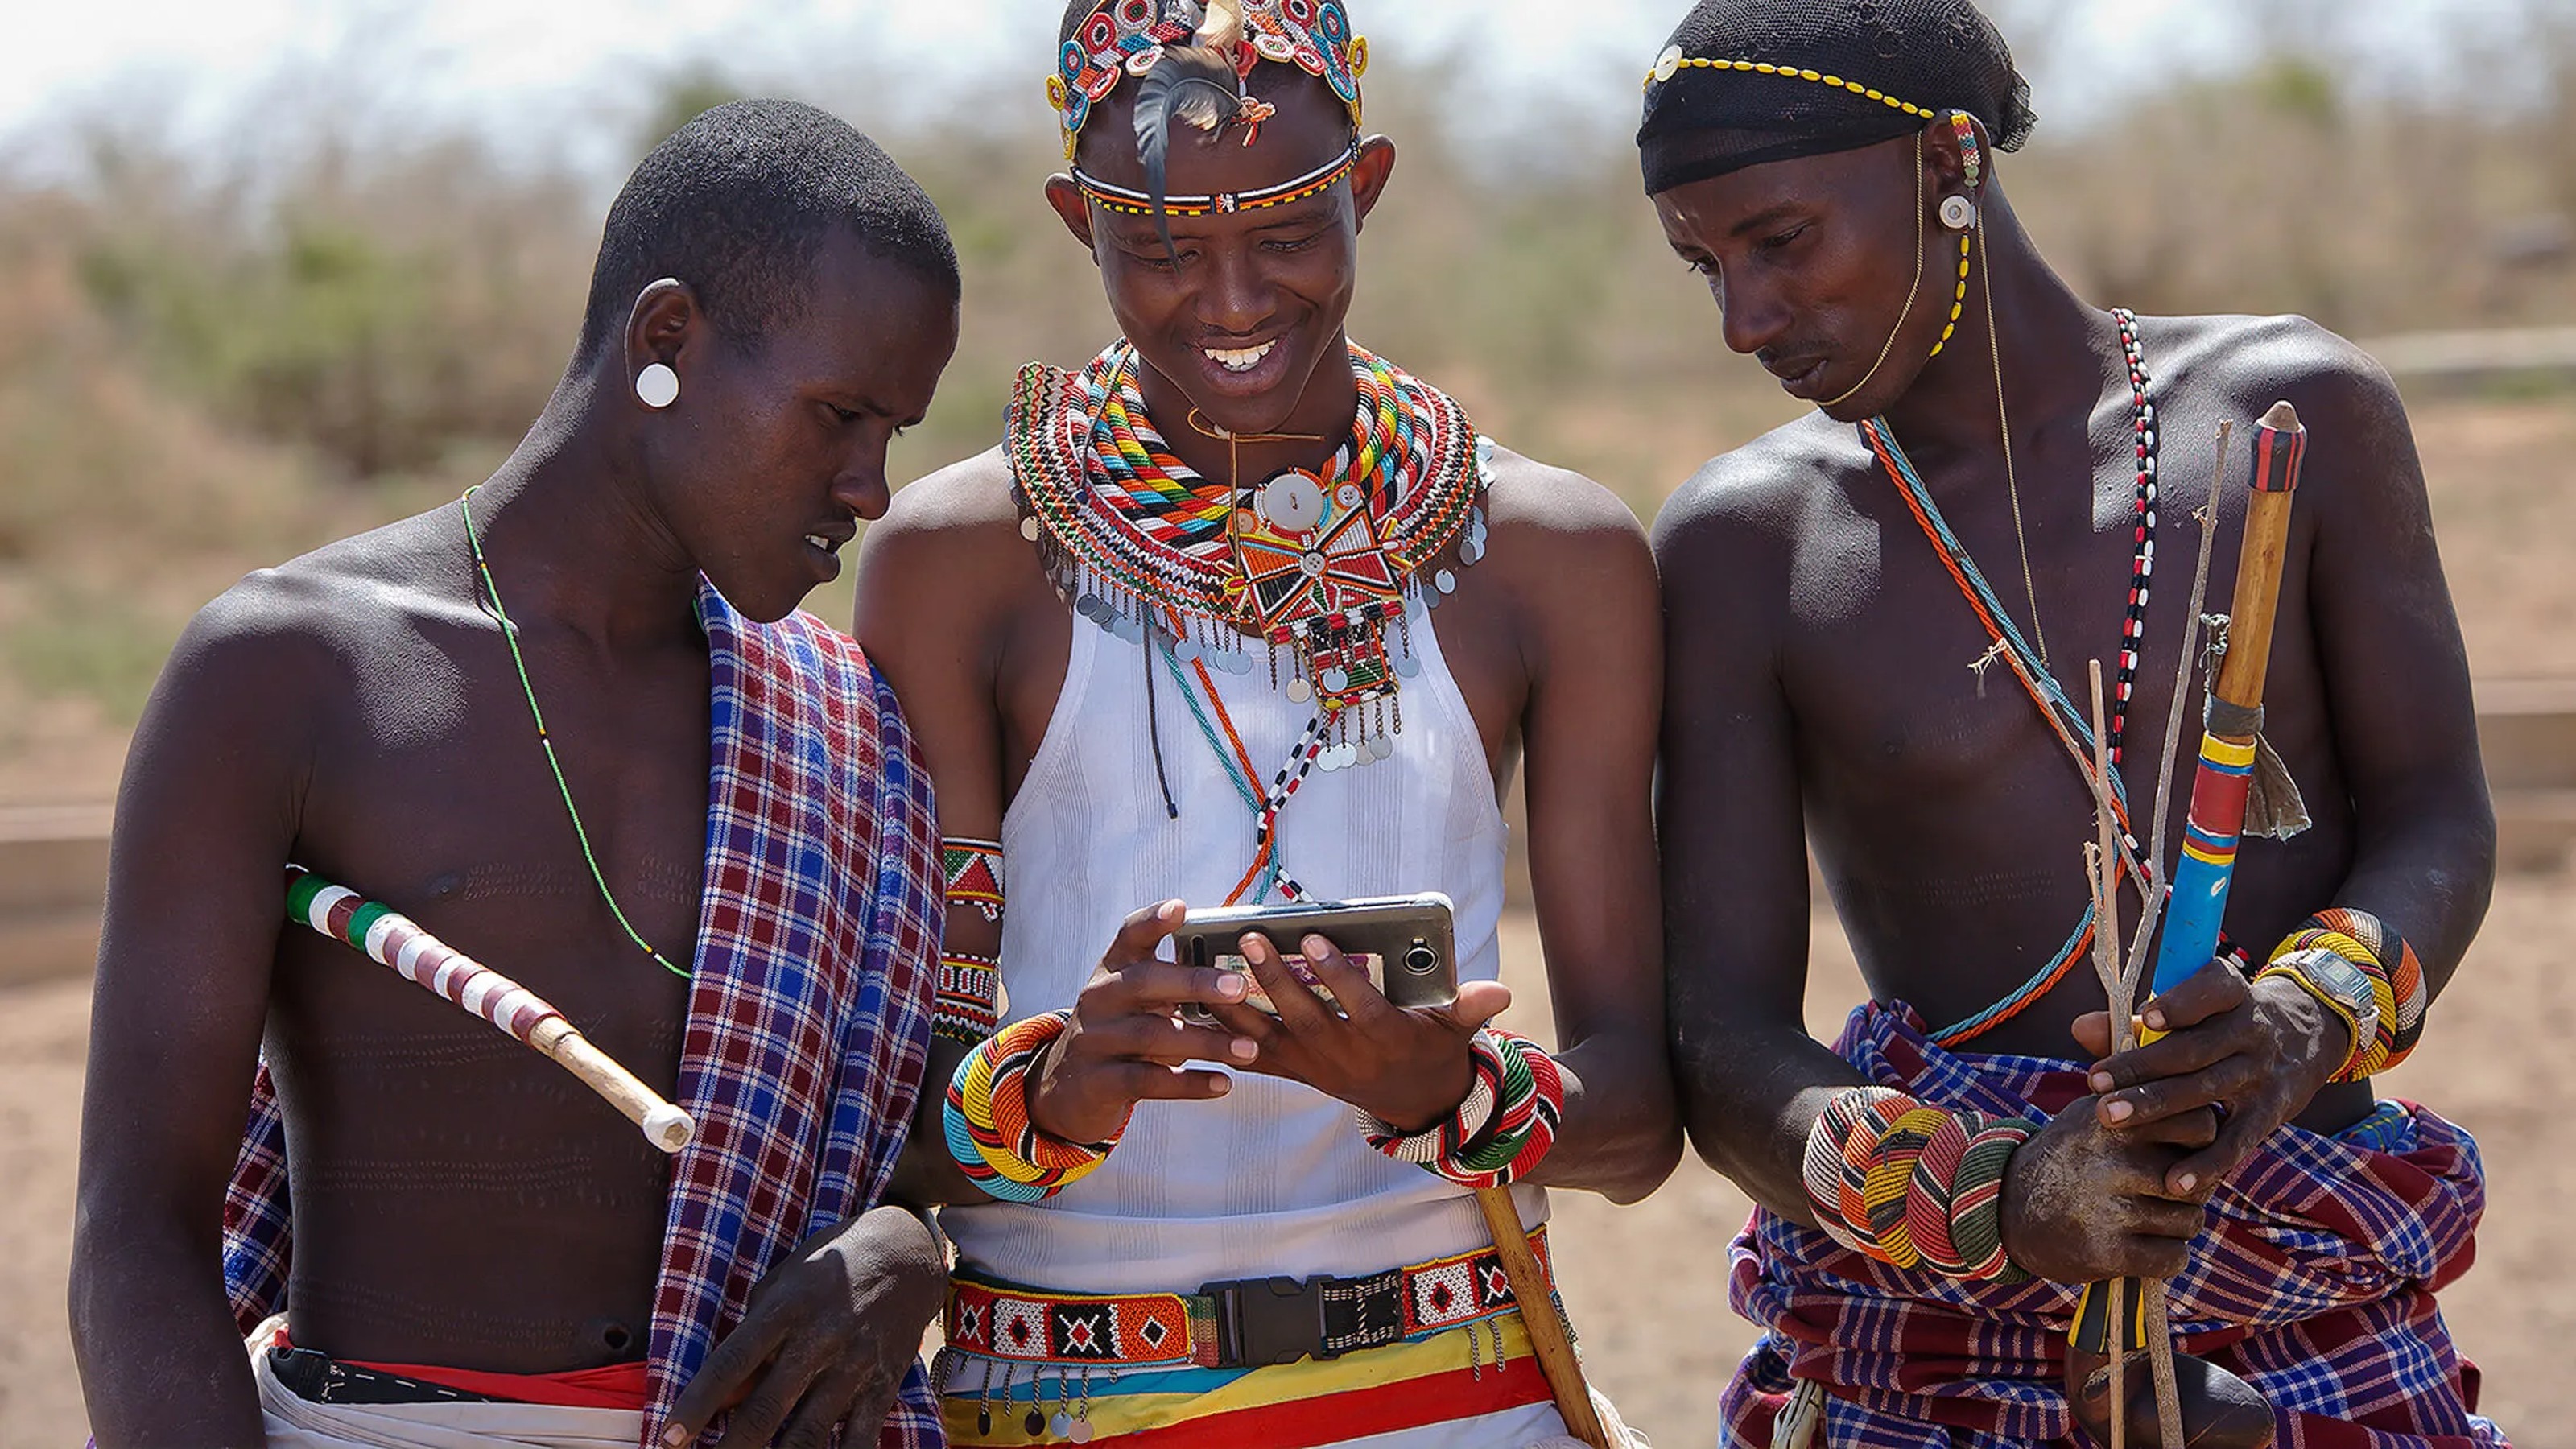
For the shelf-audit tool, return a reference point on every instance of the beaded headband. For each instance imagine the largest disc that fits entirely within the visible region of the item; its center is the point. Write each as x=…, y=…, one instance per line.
x=1673, y=61
x=1225, y=203
x=1125, y=38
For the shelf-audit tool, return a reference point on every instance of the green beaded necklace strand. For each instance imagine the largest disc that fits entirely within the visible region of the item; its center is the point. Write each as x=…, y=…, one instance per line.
x=510, y=633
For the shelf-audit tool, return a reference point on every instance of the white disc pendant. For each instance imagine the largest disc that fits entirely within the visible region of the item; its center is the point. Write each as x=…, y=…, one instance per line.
x=1292, y=503
x=1958, y=213
x=657, y=386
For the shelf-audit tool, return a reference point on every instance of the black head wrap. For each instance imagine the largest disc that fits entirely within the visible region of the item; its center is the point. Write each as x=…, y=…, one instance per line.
x=1925, y=57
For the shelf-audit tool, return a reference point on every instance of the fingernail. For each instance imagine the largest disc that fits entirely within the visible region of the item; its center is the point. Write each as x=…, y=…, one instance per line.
x=1230, y=986
x=2119, y=1111
x=1220, y=1086
x=2156, y=1019
x=1315, y=947
x=2187, y=1182
x=675, y=1436
x=2102, y=1082
x=1245, y=1049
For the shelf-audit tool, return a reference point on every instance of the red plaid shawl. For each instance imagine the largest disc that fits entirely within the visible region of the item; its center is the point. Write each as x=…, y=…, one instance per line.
x=2314, y=1279
x=809, y=1023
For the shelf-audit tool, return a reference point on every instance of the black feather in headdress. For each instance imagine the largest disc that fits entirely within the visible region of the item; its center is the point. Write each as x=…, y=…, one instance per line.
x=1195, y=82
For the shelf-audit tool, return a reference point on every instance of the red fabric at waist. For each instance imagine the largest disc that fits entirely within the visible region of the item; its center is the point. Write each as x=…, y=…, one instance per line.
x=615, y=1386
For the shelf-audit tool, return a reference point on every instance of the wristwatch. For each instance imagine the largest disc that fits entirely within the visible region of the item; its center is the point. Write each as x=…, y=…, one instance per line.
x=2344, y=988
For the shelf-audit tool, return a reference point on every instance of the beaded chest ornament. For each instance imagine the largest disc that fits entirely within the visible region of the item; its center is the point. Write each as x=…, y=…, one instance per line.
x=1317, y=566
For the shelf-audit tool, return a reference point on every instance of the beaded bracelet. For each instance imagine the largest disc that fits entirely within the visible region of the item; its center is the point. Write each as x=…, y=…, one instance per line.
x=1504, y=1128
x=1914, y=1185
x=987, y=1118
x=2397, y=985
x=967, y=1006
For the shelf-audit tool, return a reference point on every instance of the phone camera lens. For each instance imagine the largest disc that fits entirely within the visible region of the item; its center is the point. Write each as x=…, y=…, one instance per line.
x=1421, y=960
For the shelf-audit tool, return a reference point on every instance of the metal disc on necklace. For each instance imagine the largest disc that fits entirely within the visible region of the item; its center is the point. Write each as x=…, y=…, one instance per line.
x=1407, y=666
x=1299, y=691
x=1471, y=551
x=1445, y=581
x=1029, y=528
x=1129, y=630
x=1186, y=651
x=1384, y=745
x=1035, y=1423
x=1337, y=680
x=1089, y=606
x=1061, y=1425
x=1080, y=1433
x=1292, y=501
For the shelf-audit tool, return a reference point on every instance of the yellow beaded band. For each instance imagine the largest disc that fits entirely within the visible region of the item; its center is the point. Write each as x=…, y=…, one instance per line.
x=1136, y=203
x=1672, y=61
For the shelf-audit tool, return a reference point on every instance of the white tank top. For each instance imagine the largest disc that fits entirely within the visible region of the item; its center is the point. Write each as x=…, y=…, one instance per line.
x=1273, y=1179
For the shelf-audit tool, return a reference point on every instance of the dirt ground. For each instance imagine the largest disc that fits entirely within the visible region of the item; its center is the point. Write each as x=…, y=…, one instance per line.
x=1646, y=1284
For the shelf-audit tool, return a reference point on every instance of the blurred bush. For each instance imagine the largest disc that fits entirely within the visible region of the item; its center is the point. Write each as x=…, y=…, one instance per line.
x=217, y=365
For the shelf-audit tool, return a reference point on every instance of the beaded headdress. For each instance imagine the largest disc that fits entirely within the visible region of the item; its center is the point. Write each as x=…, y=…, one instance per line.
x=1127, y=39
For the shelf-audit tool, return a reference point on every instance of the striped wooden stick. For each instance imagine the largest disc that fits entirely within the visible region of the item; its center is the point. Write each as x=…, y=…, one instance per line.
x=394, y=940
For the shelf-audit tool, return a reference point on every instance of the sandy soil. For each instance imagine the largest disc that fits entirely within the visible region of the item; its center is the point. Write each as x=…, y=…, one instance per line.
x=1646, y=1284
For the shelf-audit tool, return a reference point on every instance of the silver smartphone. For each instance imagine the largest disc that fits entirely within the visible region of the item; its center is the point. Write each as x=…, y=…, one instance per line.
x=1406, y=944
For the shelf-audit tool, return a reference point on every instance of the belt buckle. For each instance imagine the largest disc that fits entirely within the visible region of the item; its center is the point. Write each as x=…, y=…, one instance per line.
x=1262, y=1322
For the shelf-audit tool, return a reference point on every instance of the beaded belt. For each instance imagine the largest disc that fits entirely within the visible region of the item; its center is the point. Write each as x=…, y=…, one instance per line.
x=1241, y=1323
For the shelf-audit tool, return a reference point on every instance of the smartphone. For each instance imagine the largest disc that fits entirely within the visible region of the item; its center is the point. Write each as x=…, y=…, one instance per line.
x=1406, y=944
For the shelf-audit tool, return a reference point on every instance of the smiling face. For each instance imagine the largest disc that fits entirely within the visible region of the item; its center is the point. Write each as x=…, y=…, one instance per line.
x=1812, y=261
x=1246, y=311
x=782, y=443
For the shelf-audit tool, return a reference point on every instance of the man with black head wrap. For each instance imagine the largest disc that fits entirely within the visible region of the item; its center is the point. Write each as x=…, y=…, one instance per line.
x=1842, y=672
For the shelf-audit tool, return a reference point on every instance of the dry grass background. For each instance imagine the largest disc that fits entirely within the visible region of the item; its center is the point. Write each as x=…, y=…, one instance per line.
x=224, y=352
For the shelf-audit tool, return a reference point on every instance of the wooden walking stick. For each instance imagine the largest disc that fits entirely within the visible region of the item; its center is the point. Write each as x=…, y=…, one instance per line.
x=2231, y=758
x=394, y=940
x=1549, y=1337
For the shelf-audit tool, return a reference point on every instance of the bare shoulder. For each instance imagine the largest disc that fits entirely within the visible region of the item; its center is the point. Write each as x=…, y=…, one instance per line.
x=1746, y=512
x=2254, y=362
x=1526, y=494
x=265, y=669
x=950, y=546
x=962, y=515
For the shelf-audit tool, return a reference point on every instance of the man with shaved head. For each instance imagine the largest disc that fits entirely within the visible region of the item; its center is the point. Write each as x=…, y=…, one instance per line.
x=1877, y=622
x=1175, y=644
x=573, y=725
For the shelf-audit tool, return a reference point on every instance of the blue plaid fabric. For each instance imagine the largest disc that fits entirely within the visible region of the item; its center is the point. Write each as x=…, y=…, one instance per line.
x=2313, y=1278
x=809, y=1018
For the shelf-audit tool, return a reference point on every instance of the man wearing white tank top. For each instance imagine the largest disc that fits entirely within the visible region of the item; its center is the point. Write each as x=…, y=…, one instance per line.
x=1175, y=642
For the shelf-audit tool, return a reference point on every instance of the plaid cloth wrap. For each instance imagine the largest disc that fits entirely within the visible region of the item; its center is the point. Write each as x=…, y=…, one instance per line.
x=2313, y=1279
x=809, y=1019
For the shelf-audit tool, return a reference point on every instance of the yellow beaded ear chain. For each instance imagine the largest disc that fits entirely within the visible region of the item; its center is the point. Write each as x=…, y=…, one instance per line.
x=1959, y=214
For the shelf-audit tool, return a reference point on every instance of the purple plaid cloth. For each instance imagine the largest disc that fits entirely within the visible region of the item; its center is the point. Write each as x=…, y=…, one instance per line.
x=809, y=1019
x=2313, y=1278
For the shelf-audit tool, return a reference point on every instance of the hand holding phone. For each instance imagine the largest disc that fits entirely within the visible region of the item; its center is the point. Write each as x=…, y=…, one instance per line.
x=1406, y=1064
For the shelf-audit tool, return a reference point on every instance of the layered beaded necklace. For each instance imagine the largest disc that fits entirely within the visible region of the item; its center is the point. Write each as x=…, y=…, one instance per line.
x=1315, y=566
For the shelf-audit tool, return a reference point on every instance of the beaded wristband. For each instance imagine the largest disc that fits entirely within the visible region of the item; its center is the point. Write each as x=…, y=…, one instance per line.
x=1913, y=1185
x=987, y=1118
x=2397, y=984
x=1504, y=1128
x=973, y=872
x=968, y=1004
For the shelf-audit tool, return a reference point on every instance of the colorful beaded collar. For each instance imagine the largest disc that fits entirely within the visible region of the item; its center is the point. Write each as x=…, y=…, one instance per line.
x=1125, y=38
x=1225, y=203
